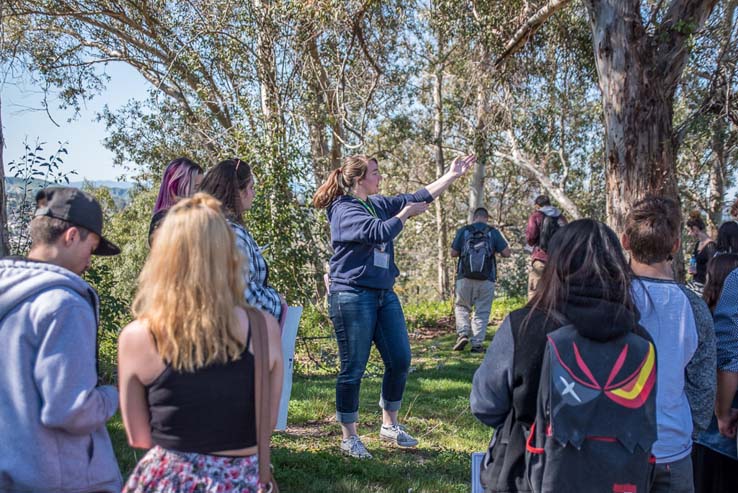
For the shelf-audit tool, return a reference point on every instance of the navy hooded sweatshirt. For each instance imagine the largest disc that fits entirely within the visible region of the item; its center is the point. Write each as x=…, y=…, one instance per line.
x=356, y=233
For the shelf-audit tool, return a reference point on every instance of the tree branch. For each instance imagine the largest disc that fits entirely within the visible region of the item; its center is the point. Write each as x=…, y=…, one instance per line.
x=682, y=20
x=519, y=158
x=529, y=28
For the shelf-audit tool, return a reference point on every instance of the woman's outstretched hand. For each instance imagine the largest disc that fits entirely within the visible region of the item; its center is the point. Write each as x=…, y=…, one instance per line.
x=412, y=209
x=416, y=208
x=461, y=165
x=458, y=167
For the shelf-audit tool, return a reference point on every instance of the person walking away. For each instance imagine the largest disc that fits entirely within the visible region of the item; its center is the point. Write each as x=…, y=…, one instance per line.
x=232, y=183
x=475, y=245
x=363, y=306
x=542, y=225
x=567, y=381
x=704, y=249
x=714, y=456
x=52, y=409
x=188, y=364
x=681, y=326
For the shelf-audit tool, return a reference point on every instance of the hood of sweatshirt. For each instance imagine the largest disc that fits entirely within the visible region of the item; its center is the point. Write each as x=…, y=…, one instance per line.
x=550, y=211
x=343, y=201
x=21, y=279
x=595, y=315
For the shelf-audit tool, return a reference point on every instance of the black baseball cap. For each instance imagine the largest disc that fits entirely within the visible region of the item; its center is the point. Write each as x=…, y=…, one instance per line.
x=79, y=208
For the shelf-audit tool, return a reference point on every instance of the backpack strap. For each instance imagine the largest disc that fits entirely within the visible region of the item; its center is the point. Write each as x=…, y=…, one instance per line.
x=262, y=397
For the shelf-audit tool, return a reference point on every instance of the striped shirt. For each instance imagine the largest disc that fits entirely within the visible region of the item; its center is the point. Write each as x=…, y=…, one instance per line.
x=726, y=325
x=256, y=274
x=726, y=332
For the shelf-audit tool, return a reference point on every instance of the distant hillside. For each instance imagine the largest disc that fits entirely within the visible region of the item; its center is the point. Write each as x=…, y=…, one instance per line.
x=103, y=183
x=14, y=189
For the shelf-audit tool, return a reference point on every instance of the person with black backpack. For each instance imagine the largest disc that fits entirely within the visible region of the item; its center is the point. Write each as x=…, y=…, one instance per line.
x=475, y=245
x=568, y=381
x=545, y=221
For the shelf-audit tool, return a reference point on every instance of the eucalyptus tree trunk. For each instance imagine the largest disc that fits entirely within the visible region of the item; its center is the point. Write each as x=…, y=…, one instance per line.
x=638, y=75
x=718, y=165
x=717, y=177
x=4, y=237
x=266, y=71
x=322, y=117
x=476, y=190
x=441, y=236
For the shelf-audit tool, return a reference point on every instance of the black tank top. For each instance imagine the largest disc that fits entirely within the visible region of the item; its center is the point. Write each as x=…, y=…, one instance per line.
x=205, y=411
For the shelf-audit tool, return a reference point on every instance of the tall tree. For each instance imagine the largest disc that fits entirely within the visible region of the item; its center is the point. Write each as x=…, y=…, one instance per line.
x=438, y=157
x=640, y=63
x=4, y=237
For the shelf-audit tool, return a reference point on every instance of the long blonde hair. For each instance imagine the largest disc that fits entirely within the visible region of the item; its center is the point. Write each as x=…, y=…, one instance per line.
x=190, y=285
x=341, y=180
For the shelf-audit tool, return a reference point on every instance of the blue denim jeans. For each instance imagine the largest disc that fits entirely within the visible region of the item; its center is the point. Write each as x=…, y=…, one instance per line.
x=362, y=317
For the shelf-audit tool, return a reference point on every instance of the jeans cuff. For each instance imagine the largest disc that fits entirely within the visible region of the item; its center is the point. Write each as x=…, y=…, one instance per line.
x=389, y=405
x=347, y=417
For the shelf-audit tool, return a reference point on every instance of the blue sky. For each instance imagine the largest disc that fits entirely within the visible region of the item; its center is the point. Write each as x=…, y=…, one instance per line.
x=23, y=118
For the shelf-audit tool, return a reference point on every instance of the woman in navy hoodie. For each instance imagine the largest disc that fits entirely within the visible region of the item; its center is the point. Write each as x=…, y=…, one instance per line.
x=363, y=307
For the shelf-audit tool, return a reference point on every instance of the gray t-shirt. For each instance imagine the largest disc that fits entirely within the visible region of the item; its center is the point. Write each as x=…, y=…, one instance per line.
x=681, y=327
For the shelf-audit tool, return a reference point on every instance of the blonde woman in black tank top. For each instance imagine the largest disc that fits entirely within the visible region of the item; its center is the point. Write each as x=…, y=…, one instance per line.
x=186, y=365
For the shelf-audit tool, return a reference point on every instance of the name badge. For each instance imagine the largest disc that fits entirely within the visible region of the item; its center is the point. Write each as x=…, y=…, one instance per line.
x=381, y=259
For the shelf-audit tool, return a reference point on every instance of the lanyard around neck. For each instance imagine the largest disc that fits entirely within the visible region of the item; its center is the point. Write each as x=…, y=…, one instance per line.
x=368, y=206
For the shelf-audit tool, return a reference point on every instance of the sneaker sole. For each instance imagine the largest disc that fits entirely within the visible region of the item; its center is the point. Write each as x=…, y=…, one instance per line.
x=394, y=442
x=360, y=457
x=459, y=346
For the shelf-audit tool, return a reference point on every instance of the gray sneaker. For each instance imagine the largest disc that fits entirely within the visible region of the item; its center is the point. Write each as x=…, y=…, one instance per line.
x=461, y=343
x=353, y=447
x=397, y=435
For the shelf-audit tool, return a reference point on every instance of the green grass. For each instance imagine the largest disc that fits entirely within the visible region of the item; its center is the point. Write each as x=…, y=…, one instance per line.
x=435, y=409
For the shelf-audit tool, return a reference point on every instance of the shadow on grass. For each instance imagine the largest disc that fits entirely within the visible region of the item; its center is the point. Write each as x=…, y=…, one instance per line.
x=391, y=470
x=435, y=409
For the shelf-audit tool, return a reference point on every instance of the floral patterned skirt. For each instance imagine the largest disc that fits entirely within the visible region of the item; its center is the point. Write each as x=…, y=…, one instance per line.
x=169, y=471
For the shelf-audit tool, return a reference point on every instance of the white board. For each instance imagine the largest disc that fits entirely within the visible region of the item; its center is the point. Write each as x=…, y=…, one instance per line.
x=289, y=336
x=476, y=463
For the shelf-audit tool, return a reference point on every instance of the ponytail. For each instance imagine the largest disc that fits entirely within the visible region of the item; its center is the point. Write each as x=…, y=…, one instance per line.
x=695, y=221
x=329, y=191
x=341, y=180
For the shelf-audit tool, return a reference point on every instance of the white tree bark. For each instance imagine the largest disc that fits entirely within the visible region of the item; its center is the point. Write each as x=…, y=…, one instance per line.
x=441, y=236
x=476, y=190
x=638, y=74
x=518, y=157
x=4, y=236
x=717, y=177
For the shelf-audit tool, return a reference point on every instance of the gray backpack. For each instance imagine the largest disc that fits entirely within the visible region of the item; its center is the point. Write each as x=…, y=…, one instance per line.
x=477, y=254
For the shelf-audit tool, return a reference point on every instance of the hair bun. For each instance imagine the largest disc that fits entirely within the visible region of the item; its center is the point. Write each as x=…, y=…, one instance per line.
x=203, y=199
x=695, y=214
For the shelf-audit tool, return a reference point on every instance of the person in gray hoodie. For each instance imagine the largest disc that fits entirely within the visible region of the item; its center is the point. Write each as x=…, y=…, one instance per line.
x=52, y=411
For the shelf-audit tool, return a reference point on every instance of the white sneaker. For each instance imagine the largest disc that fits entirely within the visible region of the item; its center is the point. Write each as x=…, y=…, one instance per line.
x=353, y=447
x=397, y=435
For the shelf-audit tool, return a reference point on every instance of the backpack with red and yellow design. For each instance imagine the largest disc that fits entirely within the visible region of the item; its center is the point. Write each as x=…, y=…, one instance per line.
x=596, y=415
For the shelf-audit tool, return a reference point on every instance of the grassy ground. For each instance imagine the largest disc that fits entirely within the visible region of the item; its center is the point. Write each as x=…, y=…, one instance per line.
x=435, y=409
